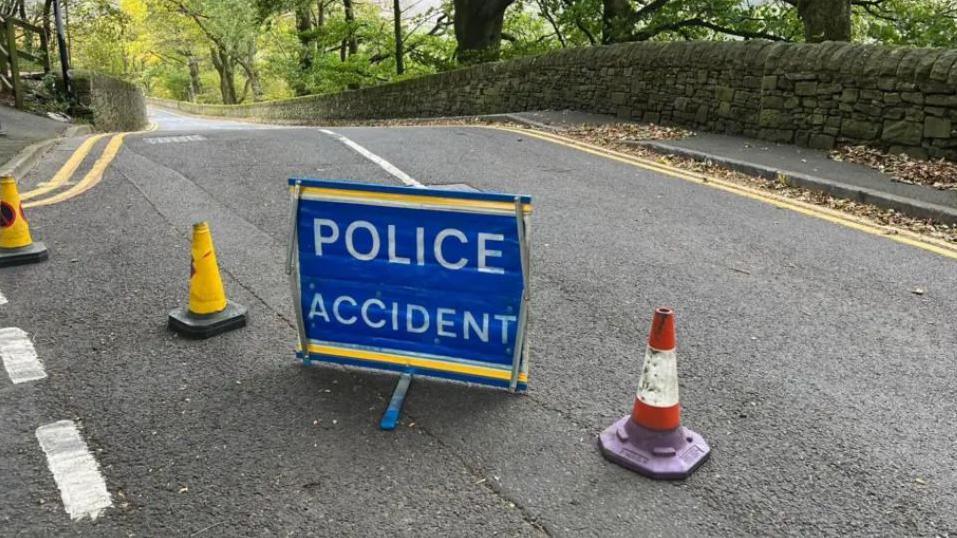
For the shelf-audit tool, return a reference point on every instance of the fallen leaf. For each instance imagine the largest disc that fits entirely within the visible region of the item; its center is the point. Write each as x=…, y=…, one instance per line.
x=939, y=174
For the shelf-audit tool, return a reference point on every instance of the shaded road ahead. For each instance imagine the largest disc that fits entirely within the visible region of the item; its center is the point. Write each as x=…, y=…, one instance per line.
x=825, y=386
x=167, y=120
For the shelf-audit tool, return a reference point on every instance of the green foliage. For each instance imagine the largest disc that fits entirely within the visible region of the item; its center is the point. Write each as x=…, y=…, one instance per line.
x=580, y=20
x=525, y=33
x=922, y=23
x=100, y=33
x=778, y=18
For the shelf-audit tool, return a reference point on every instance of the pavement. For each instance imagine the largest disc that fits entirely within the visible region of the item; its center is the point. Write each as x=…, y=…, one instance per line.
x=801, y=167
x=23, y=130
x=823, y=382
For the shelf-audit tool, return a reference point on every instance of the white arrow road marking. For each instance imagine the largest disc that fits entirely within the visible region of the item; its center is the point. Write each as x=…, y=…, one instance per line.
x=384, y=164
x=19, y=357
x=76, y=473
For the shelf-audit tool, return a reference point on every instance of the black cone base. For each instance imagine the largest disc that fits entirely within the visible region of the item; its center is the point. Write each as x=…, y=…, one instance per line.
x=196, y=326
x=37, y=252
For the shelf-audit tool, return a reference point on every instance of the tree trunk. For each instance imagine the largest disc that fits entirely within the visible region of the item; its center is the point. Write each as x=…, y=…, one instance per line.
x=252, y=77
x=478, y=29
x=399, y=51
x=195, y=85
x=229, y=81
x=304, y=23
x=351, y=42
x=825, y=20
x=617, y=20
x=248, y=63
x=307, y=48
x=227, y=84
x=47, y=26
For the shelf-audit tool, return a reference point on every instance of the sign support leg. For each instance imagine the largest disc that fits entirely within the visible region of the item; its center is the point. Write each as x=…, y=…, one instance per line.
x=391, y=417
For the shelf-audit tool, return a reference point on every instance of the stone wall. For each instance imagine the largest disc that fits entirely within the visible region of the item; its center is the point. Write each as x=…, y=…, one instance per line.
x=903, y=99
x=116, y=105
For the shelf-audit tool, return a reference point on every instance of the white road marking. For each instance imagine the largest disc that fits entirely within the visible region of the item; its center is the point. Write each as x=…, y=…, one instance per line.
x=19, y=357
x=76, y=473
x=3, y=299
x=384, y=164
x=174, y=139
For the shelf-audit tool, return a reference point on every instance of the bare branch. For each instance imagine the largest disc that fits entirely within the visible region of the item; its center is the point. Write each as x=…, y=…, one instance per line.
x=649, y=33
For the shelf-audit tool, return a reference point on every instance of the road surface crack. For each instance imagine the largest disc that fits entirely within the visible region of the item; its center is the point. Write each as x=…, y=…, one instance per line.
x=489, y=485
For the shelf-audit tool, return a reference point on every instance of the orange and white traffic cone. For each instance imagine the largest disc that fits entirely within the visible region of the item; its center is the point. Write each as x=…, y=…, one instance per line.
x=209, y=312
x=651, y=440
x=16, y=244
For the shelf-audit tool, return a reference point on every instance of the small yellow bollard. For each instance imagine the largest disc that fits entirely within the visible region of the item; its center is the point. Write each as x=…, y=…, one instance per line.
x=209, y=312
x=16, y=244
x=206, y=294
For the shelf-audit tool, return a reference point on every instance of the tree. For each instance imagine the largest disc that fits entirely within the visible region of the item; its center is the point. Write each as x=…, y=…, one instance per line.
x=226, y=68
x=307, y=42
x=478, y=29
x=617, y=21
x=928, y=23
x=545, y=8
x=619, y=17
x=231, y=26
x=397, y=31
x=350, y=44
x=825, y=20
x=12, y=8
x=195, y=83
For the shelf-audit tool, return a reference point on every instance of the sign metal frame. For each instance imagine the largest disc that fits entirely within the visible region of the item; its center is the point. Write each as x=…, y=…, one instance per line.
x=292, y=269
x=515, y=377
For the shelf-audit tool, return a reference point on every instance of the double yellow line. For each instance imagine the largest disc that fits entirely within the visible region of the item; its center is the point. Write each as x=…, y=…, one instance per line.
x=893, y=233
x=65, y=173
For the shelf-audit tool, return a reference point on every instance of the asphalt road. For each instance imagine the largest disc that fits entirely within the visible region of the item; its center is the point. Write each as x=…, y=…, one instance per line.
x=823, y=383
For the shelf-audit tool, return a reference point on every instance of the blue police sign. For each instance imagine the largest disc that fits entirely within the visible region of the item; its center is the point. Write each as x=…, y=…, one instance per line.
x=421, y=281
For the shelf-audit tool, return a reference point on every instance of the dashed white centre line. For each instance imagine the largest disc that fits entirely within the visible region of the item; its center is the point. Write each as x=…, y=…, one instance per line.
x=19, y=356
x=76, y=473
x=384, y=164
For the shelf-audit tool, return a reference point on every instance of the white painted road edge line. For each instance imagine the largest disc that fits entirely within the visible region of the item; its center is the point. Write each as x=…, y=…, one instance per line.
x=384, y=164
x=19, y=356
x=76, y=473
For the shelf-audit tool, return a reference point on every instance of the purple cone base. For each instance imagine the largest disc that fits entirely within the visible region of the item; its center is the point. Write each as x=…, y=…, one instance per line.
x=669, y=455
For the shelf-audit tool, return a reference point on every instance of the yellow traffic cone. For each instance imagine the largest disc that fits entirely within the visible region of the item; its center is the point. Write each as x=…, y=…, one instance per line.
x=209, y=312
x=16, y=245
